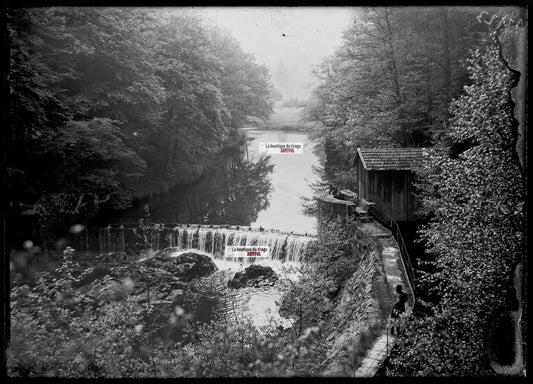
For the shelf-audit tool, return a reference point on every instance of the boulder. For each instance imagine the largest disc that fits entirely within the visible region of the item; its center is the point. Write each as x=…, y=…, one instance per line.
x=192, y=265
x=185, y=267
x=254, y=276
x=165, y=253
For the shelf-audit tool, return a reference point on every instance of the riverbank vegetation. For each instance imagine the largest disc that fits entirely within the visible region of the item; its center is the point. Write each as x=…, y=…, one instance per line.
x=476, y=197
x=136, y=319
x=111, y=105
x=439, y=78
x=108, y=107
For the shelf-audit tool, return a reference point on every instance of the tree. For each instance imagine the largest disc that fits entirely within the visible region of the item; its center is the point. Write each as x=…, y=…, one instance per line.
x=112, y=105
x=70, y=94
x=245, y=85
x=390, y=82
x=191, y=128
x=474, y=189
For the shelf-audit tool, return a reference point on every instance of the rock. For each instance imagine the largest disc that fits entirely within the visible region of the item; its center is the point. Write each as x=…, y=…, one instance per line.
x=165, y=253
x=185, y=267
x=253, y=276
x=192, y=265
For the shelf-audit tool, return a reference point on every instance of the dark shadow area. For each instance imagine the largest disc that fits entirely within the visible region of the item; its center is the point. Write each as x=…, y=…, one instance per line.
x=233, y=192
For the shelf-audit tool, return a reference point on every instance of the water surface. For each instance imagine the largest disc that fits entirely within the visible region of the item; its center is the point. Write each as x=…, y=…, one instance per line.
x=291, y=180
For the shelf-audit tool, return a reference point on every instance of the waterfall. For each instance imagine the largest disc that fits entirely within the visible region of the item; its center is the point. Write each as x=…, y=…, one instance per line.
x=214, y=240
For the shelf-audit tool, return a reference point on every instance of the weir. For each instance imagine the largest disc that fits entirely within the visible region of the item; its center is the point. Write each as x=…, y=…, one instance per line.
x=284, y=247
x=125, y=240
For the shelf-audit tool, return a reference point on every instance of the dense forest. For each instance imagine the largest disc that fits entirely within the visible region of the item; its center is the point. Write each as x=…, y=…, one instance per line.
x=392, y=80
x=109, y=106
x=437, y=78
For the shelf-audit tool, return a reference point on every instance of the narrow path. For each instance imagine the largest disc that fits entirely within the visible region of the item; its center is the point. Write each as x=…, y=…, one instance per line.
x=395, y=273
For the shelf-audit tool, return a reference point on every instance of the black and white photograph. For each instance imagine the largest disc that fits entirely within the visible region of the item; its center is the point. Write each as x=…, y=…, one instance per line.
x=265, y=191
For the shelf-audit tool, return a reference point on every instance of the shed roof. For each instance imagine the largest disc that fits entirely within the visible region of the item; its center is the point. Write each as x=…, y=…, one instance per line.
x=390, y=159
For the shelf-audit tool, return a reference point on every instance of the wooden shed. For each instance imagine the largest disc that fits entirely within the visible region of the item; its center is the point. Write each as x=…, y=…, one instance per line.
x=384, y=177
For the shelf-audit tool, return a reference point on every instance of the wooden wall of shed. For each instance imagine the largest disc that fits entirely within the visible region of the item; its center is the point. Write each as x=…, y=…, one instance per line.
x=392, y=191
x=361, y=180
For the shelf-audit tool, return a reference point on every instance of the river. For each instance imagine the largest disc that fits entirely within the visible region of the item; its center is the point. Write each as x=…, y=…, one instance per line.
x=239, y=196
x=290, y=179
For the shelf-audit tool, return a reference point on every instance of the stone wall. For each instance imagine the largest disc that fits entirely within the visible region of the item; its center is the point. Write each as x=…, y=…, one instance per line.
x=361, y=311
x=361, y=340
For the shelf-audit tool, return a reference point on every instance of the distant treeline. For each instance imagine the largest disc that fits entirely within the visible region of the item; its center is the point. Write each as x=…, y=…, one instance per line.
x=111, y=105
x=391, y=81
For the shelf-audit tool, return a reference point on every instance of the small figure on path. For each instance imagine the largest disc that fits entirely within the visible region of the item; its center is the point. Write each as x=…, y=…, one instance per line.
x=398, y=308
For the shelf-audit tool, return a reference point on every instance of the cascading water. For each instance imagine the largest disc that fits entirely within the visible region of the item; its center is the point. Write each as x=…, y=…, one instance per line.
x=287, y=251
x=283, y=246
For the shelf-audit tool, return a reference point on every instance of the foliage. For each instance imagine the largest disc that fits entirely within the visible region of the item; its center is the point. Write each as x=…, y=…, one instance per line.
x=245, y=85
x=390, y=82
x=147, y=234
x=333, y=253
x=80, y=323
x=329, y=266
x=334, y=294
x=475, y=192
x=239, y=198
x=237, y=350
x=66, y=326
x=58, y=331
x=232, y=192
x=110, y=105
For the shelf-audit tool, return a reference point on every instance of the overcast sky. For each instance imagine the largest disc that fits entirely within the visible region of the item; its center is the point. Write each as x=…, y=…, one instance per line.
x=300, y=36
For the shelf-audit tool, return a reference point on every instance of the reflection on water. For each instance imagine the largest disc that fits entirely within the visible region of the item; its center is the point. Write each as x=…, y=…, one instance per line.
x=250, y=190
x=233, y=192
x=244, y=188
x=291, y=180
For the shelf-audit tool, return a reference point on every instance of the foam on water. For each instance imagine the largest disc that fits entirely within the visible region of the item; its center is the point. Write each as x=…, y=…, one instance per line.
x=259, y=304
x=283, y=246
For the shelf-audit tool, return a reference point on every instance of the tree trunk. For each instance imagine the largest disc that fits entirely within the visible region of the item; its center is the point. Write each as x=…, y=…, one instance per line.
x=301, y=321
x=148, y=296
x=446, y=63
x=392, y=58
x=404, y=136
